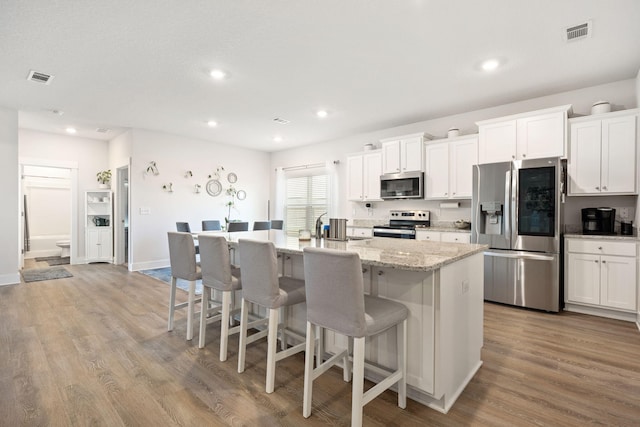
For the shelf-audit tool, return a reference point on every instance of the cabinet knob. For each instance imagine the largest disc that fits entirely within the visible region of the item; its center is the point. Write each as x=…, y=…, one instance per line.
x=446, y=194
x=600, y=248
x=604, y=187
x=513, y=156
x=598, y=188
x=604, y=262
x=595, y=260
x=524, y=155
x=453, y=193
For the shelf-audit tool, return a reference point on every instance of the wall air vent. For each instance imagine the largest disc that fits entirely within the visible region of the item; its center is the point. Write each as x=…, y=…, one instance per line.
x=102, y=130
x=36, y=76
x=578, y=32
x=281, y=121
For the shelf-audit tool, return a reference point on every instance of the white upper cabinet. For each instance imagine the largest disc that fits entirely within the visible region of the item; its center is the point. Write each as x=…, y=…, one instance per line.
x=449, y=166
x=533, y=135
x=403, y=154
x=364, y=172
x=602, y=156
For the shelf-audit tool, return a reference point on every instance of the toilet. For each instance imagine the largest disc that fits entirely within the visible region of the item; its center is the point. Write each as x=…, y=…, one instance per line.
x=65, y=245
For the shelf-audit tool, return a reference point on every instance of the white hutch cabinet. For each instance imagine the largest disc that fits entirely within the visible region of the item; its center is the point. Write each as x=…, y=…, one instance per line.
x=98, y=226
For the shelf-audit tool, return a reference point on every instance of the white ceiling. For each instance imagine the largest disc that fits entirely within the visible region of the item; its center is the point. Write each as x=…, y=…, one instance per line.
x=373, y=64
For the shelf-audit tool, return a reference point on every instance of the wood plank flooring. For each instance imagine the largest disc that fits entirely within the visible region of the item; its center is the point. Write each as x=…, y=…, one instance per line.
x=93, y=350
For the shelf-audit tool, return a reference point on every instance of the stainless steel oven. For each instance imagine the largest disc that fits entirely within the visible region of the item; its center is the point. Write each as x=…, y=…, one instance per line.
x=402, y=224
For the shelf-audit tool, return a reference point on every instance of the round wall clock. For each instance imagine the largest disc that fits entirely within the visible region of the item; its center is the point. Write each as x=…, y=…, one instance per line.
x=214, y=188
x=232, y=178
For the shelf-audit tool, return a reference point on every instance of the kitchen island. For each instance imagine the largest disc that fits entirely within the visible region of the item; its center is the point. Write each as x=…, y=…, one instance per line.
x=442, y=286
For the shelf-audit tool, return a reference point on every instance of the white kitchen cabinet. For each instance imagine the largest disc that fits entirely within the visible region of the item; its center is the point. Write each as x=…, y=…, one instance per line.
x=532, y=135
x=98, y=226
x=601, y=277
x=455, y=237
x=443, y=236
x=364, y=172
x=449, y=165
x=602, y=156
x=403, y=154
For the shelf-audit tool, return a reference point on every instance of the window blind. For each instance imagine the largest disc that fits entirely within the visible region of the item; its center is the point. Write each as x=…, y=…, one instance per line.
x=307, y=198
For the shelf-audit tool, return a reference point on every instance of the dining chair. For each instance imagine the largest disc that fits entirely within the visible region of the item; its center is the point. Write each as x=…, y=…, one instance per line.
x=211, y=225
x=277, y=224
x=238, y=226
x=336, y=301
x=262, y=286
x=182, y=256
x=183, y=227
x=218, y=274
x=262, y=225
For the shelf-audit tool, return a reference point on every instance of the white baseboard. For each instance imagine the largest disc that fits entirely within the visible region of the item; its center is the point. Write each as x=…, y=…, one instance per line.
x=602, y=312
x=9, y=279
x=137, y=266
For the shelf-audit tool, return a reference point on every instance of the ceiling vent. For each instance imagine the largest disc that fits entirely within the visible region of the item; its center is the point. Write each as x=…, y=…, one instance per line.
x=36, y=76
x=281, y=121
x=578, y=32
x=102, y=130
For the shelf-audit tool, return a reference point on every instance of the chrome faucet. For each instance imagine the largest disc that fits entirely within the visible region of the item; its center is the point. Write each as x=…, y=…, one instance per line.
x=319, y=226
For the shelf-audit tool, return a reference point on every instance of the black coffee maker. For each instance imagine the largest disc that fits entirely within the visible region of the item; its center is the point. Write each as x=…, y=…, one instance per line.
x=598, y=220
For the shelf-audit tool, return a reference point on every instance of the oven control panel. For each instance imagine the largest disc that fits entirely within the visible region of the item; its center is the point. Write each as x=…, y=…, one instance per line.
x=409, y=215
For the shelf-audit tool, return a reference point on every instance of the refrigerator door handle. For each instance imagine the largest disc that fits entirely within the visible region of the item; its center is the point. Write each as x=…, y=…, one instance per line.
x=520, y=255
x=506, y=217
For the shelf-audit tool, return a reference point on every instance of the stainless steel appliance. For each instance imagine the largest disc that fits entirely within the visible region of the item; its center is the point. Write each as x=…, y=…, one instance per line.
x=403, y=224
x=517, y=211
x=408, y=185
x=598, y=220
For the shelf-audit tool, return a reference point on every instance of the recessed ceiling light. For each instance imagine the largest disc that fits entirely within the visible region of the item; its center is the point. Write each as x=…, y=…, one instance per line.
x=277, y=138
x=71, y=130
x=322, y=113
x=490, y=64
x=218, y=74
x=212, y=123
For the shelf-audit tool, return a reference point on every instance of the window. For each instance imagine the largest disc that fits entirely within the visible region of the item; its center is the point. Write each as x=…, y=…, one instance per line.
x=307, y=197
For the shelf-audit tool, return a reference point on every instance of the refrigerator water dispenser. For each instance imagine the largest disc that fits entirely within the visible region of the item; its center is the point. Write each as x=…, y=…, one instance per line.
x=491, y=217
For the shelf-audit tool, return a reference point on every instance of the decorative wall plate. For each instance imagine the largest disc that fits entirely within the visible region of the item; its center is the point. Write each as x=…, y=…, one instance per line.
x=232, y=178
x=241, y=195
x=214, y=188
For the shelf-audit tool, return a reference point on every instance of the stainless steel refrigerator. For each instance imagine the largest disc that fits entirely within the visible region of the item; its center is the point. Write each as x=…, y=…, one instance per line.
x=517, y=211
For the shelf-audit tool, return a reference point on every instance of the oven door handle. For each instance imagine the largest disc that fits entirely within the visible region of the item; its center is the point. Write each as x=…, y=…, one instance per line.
x=392, y=231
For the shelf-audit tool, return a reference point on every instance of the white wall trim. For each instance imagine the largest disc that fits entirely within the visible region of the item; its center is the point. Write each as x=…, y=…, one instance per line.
x=67, y=164
x=150, y=264
x=10, y=279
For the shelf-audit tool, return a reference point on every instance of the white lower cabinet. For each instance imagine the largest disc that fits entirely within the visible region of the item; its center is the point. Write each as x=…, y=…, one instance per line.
x=443, y=236
x=99, y=245
x=601, y=277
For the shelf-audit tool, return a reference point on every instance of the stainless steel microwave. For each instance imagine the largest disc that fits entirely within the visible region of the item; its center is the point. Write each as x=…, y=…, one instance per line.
x=407, y=185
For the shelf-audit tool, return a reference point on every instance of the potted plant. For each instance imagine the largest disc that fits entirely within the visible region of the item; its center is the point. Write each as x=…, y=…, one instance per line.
x=104, y=178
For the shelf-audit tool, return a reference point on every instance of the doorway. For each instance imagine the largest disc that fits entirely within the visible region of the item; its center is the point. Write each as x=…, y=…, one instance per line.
x=48, y=215
x=122, y=218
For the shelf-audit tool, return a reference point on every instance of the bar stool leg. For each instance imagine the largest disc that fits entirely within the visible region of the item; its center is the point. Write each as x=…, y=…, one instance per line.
x=172, y=303
x=308, y=370
x=190, y=309
x=242, y=348
x=358, y=382
x=224, y=324
x=206, y=295
x=402, y=364
x=272, y=341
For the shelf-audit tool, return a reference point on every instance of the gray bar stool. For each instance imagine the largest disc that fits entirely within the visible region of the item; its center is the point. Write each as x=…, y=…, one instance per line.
x=182, y=255
x=336, y=301
x=262, y=286
x=218, y=274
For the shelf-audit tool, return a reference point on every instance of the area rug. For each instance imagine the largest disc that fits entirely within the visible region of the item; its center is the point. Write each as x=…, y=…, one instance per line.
x=164, y=274
x=38, y=274
x=59, y=261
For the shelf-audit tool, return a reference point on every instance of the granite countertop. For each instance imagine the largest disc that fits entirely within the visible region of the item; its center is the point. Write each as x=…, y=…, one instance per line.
x=402, y=254
x=602, y=237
